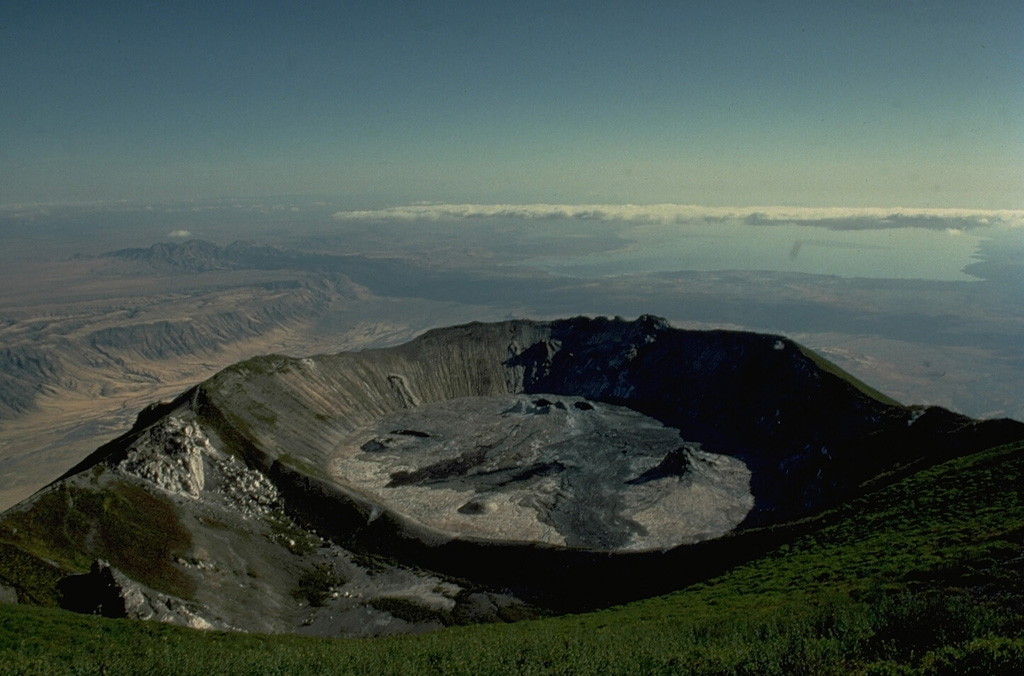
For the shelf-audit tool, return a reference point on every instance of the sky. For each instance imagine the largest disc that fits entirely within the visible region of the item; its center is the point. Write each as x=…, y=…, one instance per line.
x=812, y=104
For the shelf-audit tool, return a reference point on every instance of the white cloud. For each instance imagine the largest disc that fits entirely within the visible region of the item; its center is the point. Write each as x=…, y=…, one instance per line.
x=180, y=233
x=836, y=218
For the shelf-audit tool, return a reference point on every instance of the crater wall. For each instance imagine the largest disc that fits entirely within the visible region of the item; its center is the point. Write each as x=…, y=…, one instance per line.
x=761, y=432
x=759, y=398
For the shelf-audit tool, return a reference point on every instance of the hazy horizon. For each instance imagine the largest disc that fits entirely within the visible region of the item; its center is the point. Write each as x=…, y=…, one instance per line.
x=733, y=103
x=847, y=174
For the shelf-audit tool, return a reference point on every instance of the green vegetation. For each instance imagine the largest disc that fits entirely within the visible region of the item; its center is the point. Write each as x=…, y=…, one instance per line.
x=316, y=584
x=33, y=579
x=289, y=534
x=922, y=577
x=135, y=531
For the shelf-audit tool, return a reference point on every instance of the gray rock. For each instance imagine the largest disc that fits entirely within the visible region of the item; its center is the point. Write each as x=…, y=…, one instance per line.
x=571, y=464
x=8, y=594
x=170, y=456
x=545, y=469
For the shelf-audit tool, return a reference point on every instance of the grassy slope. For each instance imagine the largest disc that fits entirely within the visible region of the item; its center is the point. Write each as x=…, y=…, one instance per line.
x=121, y=523
x=924, y=576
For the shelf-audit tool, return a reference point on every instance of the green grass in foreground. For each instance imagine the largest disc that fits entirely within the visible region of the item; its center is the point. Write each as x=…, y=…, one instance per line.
x=922, y=577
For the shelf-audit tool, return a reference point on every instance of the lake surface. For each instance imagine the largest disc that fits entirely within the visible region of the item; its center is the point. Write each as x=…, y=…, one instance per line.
x=884, y=253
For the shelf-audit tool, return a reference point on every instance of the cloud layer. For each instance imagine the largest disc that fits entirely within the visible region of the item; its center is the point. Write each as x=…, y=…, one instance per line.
x=833, y=218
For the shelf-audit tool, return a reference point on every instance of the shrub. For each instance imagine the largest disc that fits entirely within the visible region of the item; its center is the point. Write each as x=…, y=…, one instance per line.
x=316, y=584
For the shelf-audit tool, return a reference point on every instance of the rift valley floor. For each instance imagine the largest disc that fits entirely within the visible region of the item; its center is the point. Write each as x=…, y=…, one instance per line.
x=90, y=334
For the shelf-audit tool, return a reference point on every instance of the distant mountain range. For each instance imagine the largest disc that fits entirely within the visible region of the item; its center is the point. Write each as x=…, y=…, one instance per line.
x=201, y=256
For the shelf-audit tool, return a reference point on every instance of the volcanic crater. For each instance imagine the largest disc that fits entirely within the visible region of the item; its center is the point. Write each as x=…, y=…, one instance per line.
x=478, y=471
x=593, y=434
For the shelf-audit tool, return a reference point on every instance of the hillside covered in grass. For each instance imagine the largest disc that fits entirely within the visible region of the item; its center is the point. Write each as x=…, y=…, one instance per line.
x=923, y=576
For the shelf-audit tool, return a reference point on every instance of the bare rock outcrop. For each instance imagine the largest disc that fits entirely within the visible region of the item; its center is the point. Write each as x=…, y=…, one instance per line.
x=569, y=464
x=170, y=456
x=176, y=456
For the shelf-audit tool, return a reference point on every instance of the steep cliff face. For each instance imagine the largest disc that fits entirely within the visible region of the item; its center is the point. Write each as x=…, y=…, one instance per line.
x=572, y=463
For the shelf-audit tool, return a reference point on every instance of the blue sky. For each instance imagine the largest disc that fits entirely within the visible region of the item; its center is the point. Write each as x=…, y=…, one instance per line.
x=386, y=103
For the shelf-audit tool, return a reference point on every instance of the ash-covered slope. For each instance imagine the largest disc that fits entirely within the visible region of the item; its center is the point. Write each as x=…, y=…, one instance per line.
x=808, y=434
x=570, y=463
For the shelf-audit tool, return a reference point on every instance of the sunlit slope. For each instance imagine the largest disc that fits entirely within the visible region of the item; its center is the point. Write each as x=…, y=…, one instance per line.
x=808, y=437
x=808, y=431
x=923, y=576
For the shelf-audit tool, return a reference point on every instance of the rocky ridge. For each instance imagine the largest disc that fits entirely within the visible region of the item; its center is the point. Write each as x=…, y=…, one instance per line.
x=570, y=464
x=176, y=456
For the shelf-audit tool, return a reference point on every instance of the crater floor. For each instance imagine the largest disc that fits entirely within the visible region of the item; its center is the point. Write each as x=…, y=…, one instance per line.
x=549, y=469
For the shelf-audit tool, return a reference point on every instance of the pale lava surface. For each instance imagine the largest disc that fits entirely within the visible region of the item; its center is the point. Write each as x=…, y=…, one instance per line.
x=550, y=469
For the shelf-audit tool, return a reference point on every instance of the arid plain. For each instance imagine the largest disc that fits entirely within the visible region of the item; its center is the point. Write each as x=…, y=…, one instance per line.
x=104, y=310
